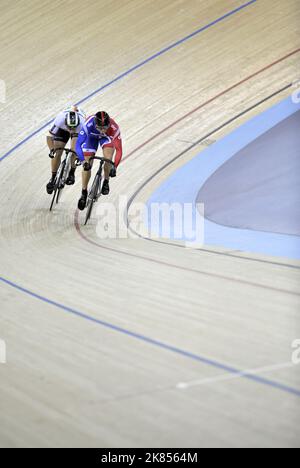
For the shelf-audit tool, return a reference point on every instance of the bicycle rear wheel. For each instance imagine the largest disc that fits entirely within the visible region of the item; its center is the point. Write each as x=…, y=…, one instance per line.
x=92, y=198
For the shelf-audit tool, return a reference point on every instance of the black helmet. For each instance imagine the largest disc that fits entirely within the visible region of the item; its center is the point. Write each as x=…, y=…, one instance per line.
x=72, y=119
x=102, y=119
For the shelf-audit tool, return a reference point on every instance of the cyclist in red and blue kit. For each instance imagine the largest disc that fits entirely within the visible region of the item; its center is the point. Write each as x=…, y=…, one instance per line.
x=99, y=129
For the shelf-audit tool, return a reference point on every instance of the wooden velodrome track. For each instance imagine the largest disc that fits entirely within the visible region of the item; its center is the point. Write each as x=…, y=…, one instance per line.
x=99, y=333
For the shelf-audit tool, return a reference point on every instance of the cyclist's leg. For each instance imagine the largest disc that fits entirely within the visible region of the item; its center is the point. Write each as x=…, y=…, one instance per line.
x=108, y=153
x=89, y=149
x=86, y=175
x=57, y=140
x=71, y=176
x=73, y=148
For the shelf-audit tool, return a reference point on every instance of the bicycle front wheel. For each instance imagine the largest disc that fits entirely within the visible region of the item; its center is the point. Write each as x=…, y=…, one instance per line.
x=57, y=188
x=53, y=198
x=92, y=198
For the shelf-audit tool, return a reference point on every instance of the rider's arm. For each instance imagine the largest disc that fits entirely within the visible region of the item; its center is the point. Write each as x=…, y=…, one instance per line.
x=81, y=139
x=54, y=129
x=119, y=150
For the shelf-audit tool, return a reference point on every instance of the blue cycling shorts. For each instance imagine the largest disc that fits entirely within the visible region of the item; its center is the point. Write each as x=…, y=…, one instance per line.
x=92, y=143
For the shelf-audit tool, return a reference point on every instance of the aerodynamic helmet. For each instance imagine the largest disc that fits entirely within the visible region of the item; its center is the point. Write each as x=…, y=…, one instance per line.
x=102, y=119
x=72, y=119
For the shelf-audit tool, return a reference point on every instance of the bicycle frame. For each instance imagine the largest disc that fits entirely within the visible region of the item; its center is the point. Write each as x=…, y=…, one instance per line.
x=62, y=174
x=95, y=192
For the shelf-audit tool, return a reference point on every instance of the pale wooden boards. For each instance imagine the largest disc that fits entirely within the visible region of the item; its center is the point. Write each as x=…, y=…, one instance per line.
x=74, y=382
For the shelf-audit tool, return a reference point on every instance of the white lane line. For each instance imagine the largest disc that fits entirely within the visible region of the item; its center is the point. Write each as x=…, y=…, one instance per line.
x=223, y=377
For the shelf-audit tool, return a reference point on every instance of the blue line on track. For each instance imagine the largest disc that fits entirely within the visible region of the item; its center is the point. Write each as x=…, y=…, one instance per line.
x=124, y=331
x=157, y=343
x=131, y=70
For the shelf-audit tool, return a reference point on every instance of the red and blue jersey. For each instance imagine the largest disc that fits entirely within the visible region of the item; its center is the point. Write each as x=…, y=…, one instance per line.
x=90, y=137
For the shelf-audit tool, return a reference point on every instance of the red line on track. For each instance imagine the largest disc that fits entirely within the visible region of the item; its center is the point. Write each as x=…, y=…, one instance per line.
x=172, y=265
x=76, y=218
x=204, y=104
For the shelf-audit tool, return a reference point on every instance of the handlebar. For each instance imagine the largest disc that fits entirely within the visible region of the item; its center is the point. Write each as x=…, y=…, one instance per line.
x=87, y=165
x=103, y=160
x=78, y=162
x=67, y=150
